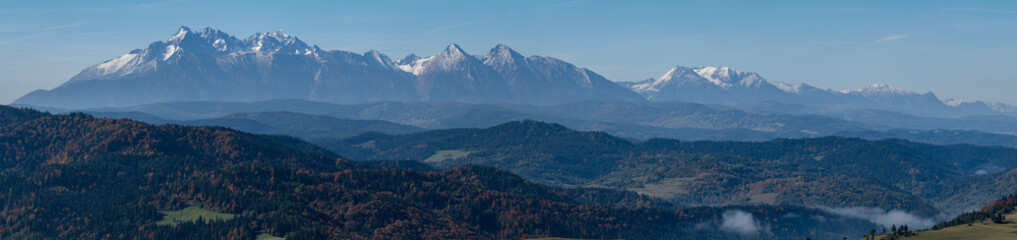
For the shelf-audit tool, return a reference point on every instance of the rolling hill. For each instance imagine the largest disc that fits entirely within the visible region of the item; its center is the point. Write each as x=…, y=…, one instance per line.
x=993, y=222
x=76, y=176
x=833, y=171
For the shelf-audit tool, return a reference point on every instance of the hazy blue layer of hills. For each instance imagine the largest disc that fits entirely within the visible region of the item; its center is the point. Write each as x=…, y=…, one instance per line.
x=279, y=123
x=684, y=121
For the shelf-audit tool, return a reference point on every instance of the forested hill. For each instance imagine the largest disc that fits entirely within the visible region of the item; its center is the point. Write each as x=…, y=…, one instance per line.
x=994, y=212
x=891, y=174
x=78, y=177
x=993, y=222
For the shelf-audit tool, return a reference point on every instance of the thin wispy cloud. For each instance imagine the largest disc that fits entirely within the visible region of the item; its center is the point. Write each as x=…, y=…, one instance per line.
x=447, y=27
x=509, y=14
x=129, y=7
x=59, y=27
x=570, y=3
x=43, y=31
x=24, y=38
x=802, y=10
x=981, y=10
x=893, y=38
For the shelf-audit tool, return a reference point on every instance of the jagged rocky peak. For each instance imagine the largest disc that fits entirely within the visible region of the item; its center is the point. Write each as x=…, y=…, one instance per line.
x=502, y=51
x=211, y=41
x=208, y=41
x=181, y=33
x=502, y=58
x=451, y=58
x=278, y=41
x=453, y=51
x=185, y=33
x=408, y=59
x=222, y=41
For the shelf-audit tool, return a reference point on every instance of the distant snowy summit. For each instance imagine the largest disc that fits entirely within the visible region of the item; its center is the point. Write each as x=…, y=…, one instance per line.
x=726, y=86
x=210, y=65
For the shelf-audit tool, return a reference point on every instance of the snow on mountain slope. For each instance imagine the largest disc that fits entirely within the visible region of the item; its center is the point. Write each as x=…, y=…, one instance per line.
x=210, y=65
x=711, y=85
x=726, y=77
x=726, y=86
x=504, y=75
x=454, y=75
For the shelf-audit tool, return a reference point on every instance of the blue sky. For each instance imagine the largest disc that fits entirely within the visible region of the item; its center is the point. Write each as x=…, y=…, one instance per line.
x=957, y=49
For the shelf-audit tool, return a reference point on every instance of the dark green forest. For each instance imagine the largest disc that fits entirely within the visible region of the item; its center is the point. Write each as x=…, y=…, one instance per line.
x=78, y=177
x=994, y=212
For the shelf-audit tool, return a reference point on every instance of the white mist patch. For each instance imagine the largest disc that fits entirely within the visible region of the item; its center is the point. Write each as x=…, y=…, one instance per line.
x=740, y=222
x=883, y=217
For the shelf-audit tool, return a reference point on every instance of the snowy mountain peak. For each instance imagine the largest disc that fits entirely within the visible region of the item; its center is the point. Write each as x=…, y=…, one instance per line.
x=715, y=71
x=502, y=49
x=180, y=34
x=453, y=50
x=215, y=35
x=185, y=34
x=279, y=33
x=723, y=77
x=408, y=59
x=954, y=102
x=503, y=58
x=381, y=59
x=678, y=72
x=880, y=88
x=451, y=57
x=277, y=42
x=278, y=36
x=209, y=41
x=726, y=77
x=716, y=85
x=677, y=75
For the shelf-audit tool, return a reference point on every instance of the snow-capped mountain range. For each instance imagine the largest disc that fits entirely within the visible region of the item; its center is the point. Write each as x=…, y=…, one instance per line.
x=726, y=86
x=210, y=65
